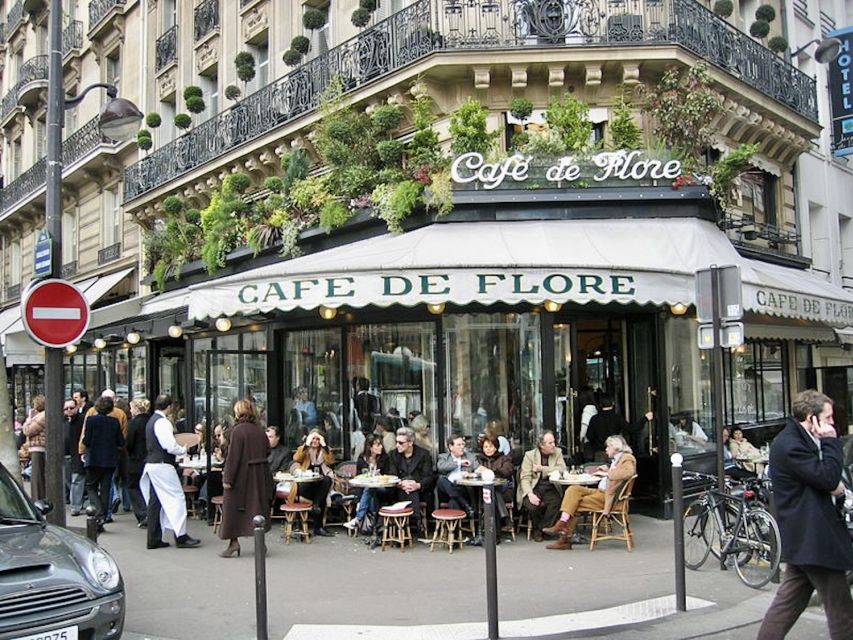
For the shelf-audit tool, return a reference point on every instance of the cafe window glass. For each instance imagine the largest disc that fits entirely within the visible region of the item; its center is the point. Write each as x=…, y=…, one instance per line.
x=200, y=349
x=108, y=380
x=755, y=383
x=689, y=391
x=494, y=376
x=312, y=387
x=122, y=388
x=139, y=369
x=391, y=372
x=90, y=376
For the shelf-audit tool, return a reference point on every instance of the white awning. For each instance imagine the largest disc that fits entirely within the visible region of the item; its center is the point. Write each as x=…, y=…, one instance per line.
x=648, y=261
x=802, y=333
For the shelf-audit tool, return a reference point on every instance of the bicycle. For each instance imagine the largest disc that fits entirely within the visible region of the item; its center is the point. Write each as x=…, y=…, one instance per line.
x=736, y=530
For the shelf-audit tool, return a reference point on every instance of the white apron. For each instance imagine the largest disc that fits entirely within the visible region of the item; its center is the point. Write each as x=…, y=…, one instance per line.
x=163, y=479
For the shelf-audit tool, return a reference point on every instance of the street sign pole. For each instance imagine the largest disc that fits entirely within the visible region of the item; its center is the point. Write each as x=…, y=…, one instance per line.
x=717, y=374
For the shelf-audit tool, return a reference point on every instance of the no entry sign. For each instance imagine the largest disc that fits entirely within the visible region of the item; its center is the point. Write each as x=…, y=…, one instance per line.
x=55, y=313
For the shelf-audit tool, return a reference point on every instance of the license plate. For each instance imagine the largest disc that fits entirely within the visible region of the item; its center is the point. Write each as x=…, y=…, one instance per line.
x=66, y=633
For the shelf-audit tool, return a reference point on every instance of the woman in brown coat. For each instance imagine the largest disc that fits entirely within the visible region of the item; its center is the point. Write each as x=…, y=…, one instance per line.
x=35, y=428
x=246, y=477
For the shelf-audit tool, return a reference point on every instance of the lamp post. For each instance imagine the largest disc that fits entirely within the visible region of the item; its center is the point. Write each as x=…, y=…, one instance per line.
x=119, y=120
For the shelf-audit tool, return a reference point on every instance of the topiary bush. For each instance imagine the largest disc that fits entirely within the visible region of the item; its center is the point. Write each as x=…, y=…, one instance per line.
x=153, y=120
x=143, y=140
x=368, y=5
x=195, y=104
x=274, y=184
x=521, y=108
x=724, y=8
x=361, y=17
x=232, y=92
x=173, y=205
x=291, y=57
x=390, y=152
x=386, y=118
x=245, y=63
x=192, y=91
x=765, y=12
x=300, y=44
x=183, y=121
x=314, y=19
x=239, y=182
x=777, y=44
x=759, y=29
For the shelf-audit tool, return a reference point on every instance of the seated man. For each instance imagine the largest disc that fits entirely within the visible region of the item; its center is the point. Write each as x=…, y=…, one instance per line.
x=413, y=465
x=450, y=466
x=315, y=456
x=539, y=497
x=623, y=466
x=279, y=457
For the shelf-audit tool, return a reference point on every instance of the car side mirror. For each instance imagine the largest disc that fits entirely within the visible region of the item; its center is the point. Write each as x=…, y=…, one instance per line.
x=43, y=506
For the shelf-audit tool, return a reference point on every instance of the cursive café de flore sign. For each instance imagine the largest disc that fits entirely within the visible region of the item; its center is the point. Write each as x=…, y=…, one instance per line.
x=605, y=166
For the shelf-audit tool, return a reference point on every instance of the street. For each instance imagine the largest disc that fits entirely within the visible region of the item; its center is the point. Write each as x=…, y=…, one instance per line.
x=338, y=588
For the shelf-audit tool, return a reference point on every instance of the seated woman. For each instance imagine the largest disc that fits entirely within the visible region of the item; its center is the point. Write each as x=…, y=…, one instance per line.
x=622, y=467
x=420, y=425
x=743, y=450
x=687, y=433
x=731, y=466
x=315, y=456
x=373, y=458
x=491, y=458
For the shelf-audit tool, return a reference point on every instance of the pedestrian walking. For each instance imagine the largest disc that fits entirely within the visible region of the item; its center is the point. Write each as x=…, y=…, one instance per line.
x=805, y=467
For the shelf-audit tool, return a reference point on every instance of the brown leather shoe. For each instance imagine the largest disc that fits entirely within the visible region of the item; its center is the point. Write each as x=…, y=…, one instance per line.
x=563, y=542
x=559, y=527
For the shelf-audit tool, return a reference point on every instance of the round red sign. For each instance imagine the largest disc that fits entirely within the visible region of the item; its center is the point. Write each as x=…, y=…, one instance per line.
x=55, y=313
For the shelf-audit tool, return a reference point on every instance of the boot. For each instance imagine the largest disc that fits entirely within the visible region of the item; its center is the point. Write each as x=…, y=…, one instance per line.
x=233, y=547
x=562, y=543
x=561, y=526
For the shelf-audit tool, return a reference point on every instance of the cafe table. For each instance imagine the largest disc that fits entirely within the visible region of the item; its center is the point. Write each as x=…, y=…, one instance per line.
x=199, y=464
x=374, y=482
x=582, y=479
x=479, y=483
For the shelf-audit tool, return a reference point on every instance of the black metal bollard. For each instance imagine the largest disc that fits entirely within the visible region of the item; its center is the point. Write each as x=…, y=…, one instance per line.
x=91, y=524
x=678, y=525
x=777, y=576
x=261, y=578
x=491, y=560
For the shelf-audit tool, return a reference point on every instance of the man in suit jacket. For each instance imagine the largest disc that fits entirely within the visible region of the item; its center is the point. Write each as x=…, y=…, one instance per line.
x=535, y=492
x=623, y=467
x=805, y=466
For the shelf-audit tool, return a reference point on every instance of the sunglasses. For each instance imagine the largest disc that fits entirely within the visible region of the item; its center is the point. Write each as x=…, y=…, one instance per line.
x=402, y=442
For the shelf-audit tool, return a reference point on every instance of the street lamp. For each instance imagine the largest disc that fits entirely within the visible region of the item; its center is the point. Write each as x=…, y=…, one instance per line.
x=119, y=120
x=827, y=50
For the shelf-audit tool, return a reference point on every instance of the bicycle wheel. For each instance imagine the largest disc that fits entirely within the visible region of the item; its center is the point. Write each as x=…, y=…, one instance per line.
x=696, y=547
x=760, y=540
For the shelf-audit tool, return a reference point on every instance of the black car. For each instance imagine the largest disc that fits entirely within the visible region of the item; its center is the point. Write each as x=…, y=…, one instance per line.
x=54, y=584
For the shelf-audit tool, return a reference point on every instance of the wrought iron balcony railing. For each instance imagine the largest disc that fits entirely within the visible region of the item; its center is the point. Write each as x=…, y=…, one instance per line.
x=15, y=16
x=427, y=26
x=166, y=48
x=205, y=18
x=32, y=70
x=245, y=3
x=72, y=37
x=98, y=10
x=2, y=33
x=76, y=146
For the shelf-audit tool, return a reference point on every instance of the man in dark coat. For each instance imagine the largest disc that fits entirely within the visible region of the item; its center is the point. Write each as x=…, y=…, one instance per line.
x=413, y=465
x=76, y=471
x=137, y=450
x=805, y=466
x=609, y=422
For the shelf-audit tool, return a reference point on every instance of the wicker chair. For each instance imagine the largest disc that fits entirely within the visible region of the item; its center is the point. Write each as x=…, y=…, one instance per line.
x=618, y=515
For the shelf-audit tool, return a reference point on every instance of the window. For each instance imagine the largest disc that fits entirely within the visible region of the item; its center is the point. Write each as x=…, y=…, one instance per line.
x=19, y=62
x=170, y=14
x=756, y=383
x=40, y=129
x=69, y=10
x=111, y=219
x=15, y=263
x=70, y=125
x=17, y=158
x=261, y=52
x=69, y=237
x=113, y=69
x=757, y=195
x=41, y=40
x=210, y=88
x=320, y=38
x=166, y=131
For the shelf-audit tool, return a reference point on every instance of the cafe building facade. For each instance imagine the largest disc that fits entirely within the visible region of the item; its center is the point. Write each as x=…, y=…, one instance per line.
x=502, y=312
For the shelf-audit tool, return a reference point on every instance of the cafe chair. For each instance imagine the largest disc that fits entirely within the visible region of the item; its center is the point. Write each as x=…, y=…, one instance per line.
x=395, y=527
x=509, y=527
x=346, y=502
x=217, y=501
x=618, y=516
x=447, y=525
x=292, y=511
x=190, y=492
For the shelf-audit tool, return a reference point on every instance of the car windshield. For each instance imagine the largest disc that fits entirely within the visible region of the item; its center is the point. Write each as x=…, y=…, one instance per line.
x=13, y=503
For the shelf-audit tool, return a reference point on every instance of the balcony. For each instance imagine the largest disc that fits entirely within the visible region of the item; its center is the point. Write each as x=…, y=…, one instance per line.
x=110, y=253
x=78, y=145
x=13, y=291
x=205, y=19
x=15, y=17
x=430, y=26
x=99, y=12
x=32, y=79
x=763, y=240
x=2, y=34
x=166, y=49
x=72, y=37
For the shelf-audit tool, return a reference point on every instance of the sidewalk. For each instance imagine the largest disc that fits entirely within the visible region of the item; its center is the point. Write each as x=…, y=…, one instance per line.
x=176, y=594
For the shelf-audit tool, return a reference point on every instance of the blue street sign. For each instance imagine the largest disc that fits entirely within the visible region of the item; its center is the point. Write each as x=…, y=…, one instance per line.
x=43, y=255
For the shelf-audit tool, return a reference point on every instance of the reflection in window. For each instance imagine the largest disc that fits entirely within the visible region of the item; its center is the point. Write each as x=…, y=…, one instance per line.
x=312, y=386
x=755, y=383
x=391, y=370
x=121, y=374
x=691, y=417
x=494, y=375
x=139, y=365
x=109, y=380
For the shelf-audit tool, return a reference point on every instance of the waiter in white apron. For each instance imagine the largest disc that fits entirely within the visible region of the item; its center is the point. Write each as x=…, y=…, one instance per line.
x=160, y=483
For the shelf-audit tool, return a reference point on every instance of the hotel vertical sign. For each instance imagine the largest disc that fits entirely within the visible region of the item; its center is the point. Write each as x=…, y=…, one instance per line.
x=841, y=94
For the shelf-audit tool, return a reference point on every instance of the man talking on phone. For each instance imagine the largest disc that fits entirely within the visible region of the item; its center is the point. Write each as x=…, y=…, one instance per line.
x=805, y=466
